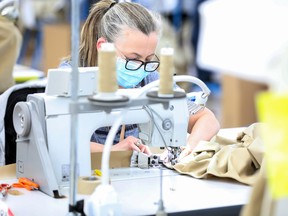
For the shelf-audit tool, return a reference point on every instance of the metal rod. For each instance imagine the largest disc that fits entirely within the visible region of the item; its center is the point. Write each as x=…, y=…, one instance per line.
x=161, y=185
x=161, y=208
x=75, y=29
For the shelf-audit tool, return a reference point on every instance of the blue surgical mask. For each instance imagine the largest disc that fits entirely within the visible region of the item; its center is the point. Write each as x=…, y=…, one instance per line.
x=128, y=78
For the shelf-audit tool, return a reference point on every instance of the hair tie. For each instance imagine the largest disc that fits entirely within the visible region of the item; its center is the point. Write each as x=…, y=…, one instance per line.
x=112, y=4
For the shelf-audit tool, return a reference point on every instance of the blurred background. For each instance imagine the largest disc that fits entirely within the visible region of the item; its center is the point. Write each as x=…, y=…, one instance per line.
x=237, y=47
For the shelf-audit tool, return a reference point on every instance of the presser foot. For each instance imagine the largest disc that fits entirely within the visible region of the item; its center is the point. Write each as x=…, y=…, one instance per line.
x=145, y=161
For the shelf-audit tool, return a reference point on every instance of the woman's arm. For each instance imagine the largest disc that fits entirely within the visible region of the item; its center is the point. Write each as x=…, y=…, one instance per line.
x=96, y=147
x=202, y=126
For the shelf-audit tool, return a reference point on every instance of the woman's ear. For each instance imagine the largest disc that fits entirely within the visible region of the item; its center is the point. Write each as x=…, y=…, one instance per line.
x=99, y=42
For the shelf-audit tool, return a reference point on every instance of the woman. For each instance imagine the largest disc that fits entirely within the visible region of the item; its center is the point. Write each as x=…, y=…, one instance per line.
x=135, y=32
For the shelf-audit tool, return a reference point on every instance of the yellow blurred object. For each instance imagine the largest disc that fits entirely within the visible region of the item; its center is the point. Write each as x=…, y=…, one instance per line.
x=23, y=73
x=97, y=172
x=272, y=109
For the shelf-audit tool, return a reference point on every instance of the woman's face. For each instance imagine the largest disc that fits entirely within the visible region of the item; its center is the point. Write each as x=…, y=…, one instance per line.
x=133, y=44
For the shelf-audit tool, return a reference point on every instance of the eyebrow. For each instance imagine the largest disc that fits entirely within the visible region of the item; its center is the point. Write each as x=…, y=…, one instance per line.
x=139, y=56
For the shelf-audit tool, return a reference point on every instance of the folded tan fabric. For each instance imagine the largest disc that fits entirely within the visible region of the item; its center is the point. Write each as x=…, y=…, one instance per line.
x=239, y=159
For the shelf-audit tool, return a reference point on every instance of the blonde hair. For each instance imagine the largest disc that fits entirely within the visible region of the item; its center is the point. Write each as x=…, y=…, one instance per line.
x=109, y=19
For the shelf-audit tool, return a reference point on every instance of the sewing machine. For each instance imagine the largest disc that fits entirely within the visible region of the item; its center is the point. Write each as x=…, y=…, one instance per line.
x=43, y=127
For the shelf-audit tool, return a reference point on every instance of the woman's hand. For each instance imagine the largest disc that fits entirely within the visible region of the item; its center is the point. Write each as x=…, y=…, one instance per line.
x=185, y=152
x=131, y=143
x=202, y=127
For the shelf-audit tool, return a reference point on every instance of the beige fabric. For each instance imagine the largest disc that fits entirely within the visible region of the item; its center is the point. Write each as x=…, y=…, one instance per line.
x=10, y=44
x=222, y=157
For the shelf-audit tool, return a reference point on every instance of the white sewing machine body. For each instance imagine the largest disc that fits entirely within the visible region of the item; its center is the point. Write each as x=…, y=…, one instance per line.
x=43, y=124
x=43, y=152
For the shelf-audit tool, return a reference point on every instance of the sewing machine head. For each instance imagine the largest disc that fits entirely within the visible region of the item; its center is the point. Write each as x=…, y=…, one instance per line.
x=43, y=125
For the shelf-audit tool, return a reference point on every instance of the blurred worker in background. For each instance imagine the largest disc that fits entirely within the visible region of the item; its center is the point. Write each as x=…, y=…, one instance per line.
x=10, y=44
x=34, y=16
x=135, y=32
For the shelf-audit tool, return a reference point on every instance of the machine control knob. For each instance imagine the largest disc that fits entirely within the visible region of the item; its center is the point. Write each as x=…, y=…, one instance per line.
x=167, y=124
x=22, y=119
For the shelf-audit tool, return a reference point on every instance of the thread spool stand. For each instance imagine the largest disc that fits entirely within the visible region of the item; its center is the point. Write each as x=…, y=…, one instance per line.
x=107, y=79
x=166, y=91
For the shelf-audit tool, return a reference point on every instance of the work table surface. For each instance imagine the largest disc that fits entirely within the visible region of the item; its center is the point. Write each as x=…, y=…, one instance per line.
x=138, y=191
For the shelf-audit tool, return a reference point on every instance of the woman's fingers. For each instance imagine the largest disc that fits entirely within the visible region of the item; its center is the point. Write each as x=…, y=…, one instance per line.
x=145, y=149
x=138, y=142
x=141, y=147
x=186, y=151
x=132, y=143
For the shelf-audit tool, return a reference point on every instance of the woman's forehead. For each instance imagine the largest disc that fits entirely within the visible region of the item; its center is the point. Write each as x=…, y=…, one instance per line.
x=134, y=41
